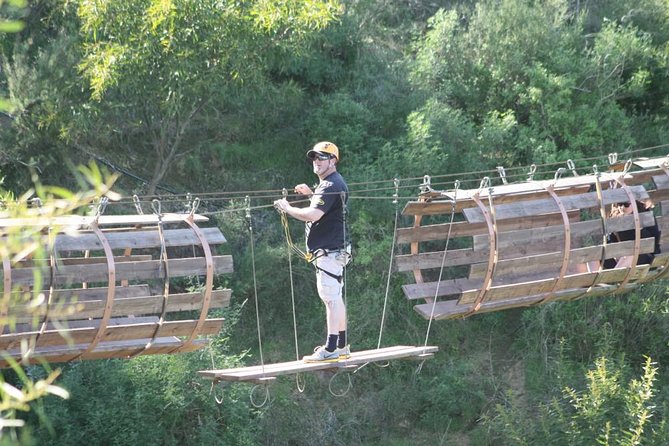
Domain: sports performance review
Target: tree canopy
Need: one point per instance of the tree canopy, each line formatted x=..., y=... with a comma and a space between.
x=222, y=96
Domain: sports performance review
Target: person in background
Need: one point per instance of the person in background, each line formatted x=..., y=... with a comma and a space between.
x=326, y=242
x=622, y=209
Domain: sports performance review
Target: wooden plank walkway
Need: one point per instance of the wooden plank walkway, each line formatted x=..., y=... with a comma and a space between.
x=261, y=373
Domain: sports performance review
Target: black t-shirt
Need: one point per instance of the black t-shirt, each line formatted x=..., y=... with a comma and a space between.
x=329, y=231
x=627, y=235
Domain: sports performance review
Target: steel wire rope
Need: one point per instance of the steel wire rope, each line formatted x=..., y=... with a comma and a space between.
x=348, y=387
x=255, y=295
x=240, y=194
x=441, y=271
x=347, y=253
x=289, y=242
x=212, y=389
x=390, y=266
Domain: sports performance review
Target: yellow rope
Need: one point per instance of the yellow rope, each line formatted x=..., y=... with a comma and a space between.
x=307, y=256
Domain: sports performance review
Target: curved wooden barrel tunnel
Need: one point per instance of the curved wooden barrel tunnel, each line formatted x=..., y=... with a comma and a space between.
x=529, y=243
x=113, y=287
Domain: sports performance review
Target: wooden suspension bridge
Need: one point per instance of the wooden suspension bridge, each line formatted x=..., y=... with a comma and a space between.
x=103, y=288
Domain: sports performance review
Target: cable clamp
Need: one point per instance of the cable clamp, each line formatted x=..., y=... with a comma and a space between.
x=426, y=187
x=485, y=183
x=502, y=174
x=138, y=205
x=628, y=166
x=194, y=206
x=558, y=174
x=189, y=203
x=572, y=167
x=613, y=158
x=156, y=206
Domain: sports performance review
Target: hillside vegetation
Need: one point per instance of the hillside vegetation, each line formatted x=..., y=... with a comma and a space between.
x=221, y=99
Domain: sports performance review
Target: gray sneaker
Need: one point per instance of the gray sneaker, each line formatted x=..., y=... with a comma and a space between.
x=322, y=355
x=344, y=352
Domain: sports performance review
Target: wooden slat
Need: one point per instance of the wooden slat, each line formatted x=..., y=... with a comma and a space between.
x=472, y=285
x=136, y=239
x=96, y=293
x=455, y=257
x=451, y=309
x=533, y=241
x=113, y=332
x=500, y=194
x=551, y=262
x=661, y=181
x=92, y=309
x=78, y=221
x=609, y=276
x=287, y=368
x=647, y=163
x=537, y=207
x=105, y=350
x=464, y=229
x=179, y=267
x=96, y=260
x=643, y=176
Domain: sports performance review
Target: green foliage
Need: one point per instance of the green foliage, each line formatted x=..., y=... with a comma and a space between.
x=606, y=411
x=227, y=96
x=22, y=391
x=159, y=65
x=527, y=76
x=111, y=396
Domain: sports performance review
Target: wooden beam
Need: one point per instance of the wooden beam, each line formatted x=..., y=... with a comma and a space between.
x=536, y=207
x=68, y=274
x=501, y=194
x=465, y=229
x=451, y=309
x=254, y=373
x=136, y=239
x=137, y=305
x=79, y=221
x=115, y=331
x=104, y=350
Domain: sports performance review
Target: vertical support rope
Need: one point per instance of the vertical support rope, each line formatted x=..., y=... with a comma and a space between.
x=247, y=200
x=344, y=203
x=443, y=262
x=390, y=263
x=300, y=386
x=164, y=267
x=396, y=182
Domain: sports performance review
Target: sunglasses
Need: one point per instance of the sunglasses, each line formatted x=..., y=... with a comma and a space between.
x=319, y=156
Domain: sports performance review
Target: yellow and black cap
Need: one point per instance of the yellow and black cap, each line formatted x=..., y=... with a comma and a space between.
x=323, y=149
